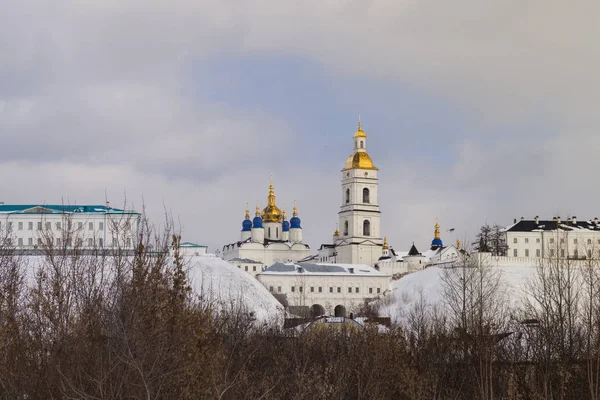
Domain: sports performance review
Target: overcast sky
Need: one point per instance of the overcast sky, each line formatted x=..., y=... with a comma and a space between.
x=475, y=110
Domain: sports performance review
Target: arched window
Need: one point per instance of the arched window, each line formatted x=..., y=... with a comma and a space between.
x=269, y=232
x=347, y=196
x=366, y=228
x=366, y=195
x=362, y=144
x=346, y=228
x=276, y=233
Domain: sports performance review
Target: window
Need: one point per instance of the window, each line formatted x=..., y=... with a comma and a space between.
x=562, y=240
x=276, y=232
x=356, y=291
x=526, y=240
x=552, y=252
x=58, y=226
x=575, y=253
x=20, y=226
x=537, y=240
x=370, y=290
x=551, y=240
x=378, y=290
x=562, y=252
x=271, y=289
x=48, y=226
x=312, y=289
x=30, y=241
x=69, y=224
x=269, y=232
x=90, y=242
x=320, y=289
x=598, y=241
x=246, y=268
x=589, y=241
x=362, y=144
x=101, y=226
x=30, y=226
x=80, y=225
x=9, y=226
x=347, y=196
x=514, y=240
x=279, y=289
x=254, y=268
x=349, y=290
x=39, y=241
x=526, y=252
x=91, y=226
x=574, y=241
x=339, y=290
x=366, y=228
x=366, y=195
x=514, y=252
x=331, y=290
x=293, y=289
x=345, y=228
x=537, y=253
x=100, y=242
x=589, y=253
x=20, y=241
x=300, y=289
x=57, y=242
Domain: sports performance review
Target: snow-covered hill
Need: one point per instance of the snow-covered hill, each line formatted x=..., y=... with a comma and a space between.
x=226, y=286
x=428, y=285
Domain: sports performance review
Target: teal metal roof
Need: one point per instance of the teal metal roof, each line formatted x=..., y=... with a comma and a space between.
x=190, y=244
x=60, y=209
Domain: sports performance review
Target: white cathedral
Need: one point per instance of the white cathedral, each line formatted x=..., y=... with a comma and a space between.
x=268, y=238
x=360, y=241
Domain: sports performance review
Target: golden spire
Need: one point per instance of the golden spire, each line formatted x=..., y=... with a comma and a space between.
x=295, y=213
x=337, y=232
x=458, y=244
x=437, y=228
x=271, y=212
x=257, y=210
x=359, y=131
x=284, y=214
x=247, y=211
x=385, y=244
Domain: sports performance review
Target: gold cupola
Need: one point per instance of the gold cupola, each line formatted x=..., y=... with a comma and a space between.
x=271, y=213
x=360, y=159
x=386, y=246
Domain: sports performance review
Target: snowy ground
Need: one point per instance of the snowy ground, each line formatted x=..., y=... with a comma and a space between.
x=223, y=284
x=428, y=285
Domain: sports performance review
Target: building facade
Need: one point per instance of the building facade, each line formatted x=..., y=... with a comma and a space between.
x=268, y=238
x=324, y=289
x=359, y=241
x=571, y=239
x=86, y=227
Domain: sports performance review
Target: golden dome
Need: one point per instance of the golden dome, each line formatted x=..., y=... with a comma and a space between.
x=385, y=244
x=361, y=160
x=360, y=132
x=271, y=213
x=336, y=233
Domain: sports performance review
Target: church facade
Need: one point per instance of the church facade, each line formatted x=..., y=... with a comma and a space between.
x=267, y=238
x=359, y=241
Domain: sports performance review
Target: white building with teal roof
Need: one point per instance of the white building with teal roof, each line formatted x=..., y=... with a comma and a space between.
x=87, y=227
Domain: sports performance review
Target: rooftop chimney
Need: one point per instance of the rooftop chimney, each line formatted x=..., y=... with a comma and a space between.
x=515, y=221
x=537, y=219
x=351, y=270
x=522, y=218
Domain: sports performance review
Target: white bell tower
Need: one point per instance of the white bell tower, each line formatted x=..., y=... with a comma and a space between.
x=360, y=239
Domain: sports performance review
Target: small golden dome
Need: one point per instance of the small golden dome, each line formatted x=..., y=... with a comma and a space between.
x=336, y=233
x=360, y=160
x=360, y=132
x=385, y=244
x=271, y=213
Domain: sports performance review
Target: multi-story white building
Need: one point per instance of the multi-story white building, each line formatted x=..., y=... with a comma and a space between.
x=318, y=289
x=535, y=238
x=37, y=227
x=359, y=241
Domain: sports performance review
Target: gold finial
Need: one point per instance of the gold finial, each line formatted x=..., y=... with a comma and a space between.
x=247, y=211
x=359, y=132
x=337, y=232
x=284, y=214
x=458, y=244
x=295, y=213
x=257, y=210
x=385, y=244
x=437, y=228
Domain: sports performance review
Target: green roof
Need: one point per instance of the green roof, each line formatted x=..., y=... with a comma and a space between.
x=190, y=244
x=60, y=209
